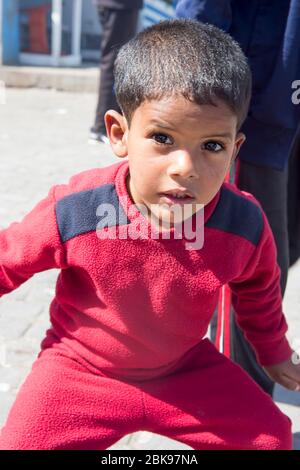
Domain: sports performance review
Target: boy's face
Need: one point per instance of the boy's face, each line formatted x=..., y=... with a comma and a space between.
x=175, y=146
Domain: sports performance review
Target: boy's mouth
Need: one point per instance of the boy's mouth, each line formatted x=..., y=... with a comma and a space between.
x=177, y=196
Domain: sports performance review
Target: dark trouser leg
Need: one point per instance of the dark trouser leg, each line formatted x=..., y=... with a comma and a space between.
x=294, y=200
x=270, y=189
x=118, y=27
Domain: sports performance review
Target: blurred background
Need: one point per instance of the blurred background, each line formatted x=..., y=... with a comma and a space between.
x=60, y=32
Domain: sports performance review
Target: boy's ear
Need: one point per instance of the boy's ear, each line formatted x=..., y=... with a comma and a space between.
x=240, y=139
x=116, y=128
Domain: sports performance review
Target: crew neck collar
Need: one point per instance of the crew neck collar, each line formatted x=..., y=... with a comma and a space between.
x=131, y=209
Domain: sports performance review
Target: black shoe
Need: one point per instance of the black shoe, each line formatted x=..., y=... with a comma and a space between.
x=98, y=137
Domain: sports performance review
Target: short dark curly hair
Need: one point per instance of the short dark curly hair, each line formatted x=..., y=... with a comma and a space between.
x=183, y=57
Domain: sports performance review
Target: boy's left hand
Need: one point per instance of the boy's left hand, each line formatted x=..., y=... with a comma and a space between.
x=286, y=373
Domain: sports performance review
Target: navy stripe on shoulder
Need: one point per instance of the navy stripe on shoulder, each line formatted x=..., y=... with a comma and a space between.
x=238, y=215
x=77, y=213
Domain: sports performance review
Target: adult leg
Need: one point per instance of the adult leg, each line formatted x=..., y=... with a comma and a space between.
x=294, y=200
x=211, y=403
x=61, y=405
x=118, y=27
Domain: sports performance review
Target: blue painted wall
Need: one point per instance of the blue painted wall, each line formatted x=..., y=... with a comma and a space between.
x=10, y=32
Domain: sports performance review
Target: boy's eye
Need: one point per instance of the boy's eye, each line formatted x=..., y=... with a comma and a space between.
x=162, y=139
x=213, y=146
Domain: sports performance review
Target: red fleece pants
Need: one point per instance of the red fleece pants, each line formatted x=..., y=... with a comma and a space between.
x=209, y=404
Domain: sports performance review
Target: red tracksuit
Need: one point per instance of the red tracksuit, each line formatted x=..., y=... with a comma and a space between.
x=125, y=351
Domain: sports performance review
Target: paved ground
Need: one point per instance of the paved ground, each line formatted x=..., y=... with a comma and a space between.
x=75, y=79
x=43, y=140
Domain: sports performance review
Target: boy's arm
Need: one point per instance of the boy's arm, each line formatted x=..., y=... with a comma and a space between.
x=257, y=302
x=30, y=246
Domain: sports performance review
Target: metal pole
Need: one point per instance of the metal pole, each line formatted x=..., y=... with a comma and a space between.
x=56, y=18
x=76, y=27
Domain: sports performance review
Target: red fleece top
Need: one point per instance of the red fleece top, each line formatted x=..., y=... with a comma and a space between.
x=136, y=308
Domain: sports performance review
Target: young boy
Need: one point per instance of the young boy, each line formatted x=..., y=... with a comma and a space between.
x=135, y=293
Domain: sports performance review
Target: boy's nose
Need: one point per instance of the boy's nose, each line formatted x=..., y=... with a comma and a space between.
x=183, y=165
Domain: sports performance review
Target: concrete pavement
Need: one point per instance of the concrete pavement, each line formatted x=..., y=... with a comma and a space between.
x=75, y=79
x=43, y=141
